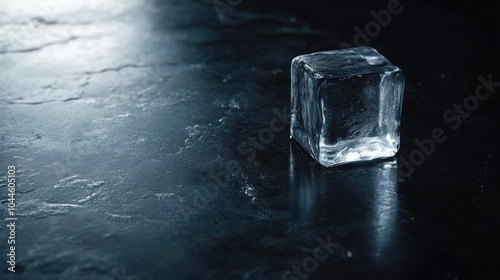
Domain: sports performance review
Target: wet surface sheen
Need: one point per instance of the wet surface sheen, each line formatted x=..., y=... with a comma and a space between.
x=152, y=140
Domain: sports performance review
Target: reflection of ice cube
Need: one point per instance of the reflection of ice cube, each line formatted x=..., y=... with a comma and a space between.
x=346, y=105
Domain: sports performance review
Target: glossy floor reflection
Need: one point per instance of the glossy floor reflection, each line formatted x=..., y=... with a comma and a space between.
x=359, y=203
x=117, y=116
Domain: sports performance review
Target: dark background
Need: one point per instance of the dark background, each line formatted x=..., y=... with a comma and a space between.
x=117, y=114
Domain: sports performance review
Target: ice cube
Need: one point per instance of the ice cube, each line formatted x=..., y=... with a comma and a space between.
x=346, y=105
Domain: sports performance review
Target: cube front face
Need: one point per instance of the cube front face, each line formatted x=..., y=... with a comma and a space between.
x=349, y=114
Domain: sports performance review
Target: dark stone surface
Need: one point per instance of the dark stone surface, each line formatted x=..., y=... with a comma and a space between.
x=116, y=115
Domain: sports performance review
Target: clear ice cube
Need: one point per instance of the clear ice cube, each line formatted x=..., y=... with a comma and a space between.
x=346, y=105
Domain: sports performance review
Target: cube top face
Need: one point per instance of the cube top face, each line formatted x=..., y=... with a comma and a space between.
x=347, y=62
x=346, y=105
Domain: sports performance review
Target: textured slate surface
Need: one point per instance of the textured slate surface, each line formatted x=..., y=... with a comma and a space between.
x=151, y=141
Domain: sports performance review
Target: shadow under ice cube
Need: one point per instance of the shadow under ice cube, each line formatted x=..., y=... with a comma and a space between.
x=346, y=105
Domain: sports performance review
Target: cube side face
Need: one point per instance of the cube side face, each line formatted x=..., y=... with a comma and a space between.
x=392, y=87
x=362, y=116
x=306, y=119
